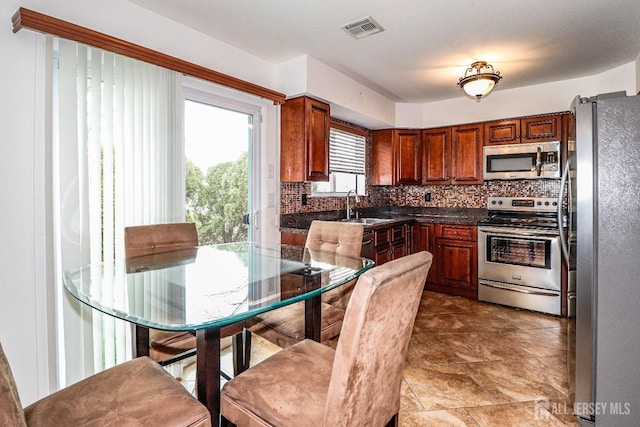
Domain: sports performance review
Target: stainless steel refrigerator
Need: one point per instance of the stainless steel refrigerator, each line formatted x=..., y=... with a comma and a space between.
x=604, y=224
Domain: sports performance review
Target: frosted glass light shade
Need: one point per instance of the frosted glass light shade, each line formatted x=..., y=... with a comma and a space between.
x=479, y=88
x=479, y=80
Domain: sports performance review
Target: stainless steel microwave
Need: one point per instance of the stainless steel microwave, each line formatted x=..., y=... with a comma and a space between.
x=522, y=161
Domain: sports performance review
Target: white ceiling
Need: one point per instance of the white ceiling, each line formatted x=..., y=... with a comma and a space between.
x=427, y=44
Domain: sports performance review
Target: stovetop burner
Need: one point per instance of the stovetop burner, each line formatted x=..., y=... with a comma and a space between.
x=522, y=212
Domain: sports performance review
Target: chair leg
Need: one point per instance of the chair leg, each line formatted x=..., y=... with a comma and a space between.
x=238, y=356
x=393, y=422
x=247, y=348
x=241, y=351
x=225, y=422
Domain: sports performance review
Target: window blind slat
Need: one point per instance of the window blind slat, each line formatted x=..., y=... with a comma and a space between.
x=346, y=152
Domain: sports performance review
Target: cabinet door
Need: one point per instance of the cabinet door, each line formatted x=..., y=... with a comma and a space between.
x=466, y=154
x=382, y=157
x=502, y=132
x=317, y=141
x=304, y=140
x=408, y=157
x=382, y=255
x=436, y=159
x=457, y=263
x=398, y=250
x=543, y=128
x=426, y=243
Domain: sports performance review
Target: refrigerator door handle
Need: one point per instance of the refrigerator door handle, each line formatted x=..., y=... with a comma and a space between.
x=563, y=239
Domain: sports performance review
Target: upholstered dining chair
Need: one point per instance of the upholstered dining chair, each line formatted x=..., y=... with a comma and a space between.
x=358, y=384
x=286, y=326
x=166, y=347
x=139, y=392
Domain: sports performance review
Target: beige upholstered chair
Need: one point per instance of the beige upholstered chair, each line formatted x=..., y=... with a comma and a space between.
x=358, y=384
x=285, y=326
x=167, y=347
x=138, y=392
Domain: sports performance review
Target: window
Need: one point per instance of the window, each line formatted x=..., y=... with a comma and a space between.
x=220, y=163
x=346, y=163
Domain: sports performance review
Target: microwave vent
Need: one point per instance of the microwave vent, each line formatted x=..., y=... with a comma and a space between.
x=362, y=27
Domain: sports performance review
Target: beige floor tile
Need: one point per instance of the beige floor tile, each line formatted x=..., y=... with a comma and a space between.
x=443, y=418
x=445, y=387
x=515, y=380
x=532, y=413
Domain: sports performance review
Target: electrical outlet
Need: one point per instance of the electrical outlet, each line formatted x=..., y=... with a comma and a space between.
x=304, y=200
x=427, y=197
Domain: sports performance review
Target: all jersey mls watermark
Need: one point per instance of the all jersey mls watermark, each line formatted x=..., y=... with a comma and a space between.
x=544, y=409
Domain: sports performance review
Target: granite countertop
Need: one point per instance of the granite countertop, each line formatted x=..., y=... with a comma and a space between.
x=299, y=223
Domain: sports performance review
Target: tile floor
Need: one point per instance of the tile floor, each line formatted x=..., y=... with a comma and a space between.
x=476, y=364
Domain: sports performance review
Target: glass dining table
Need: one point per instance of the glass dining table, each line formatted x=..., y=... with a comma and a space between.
x=205, y=288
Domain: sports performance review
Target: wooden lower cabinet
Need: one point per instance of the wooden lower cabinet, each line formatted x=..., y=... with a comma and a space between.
x=454, y=270
x=390, y=243
x=295, y=239
x=455, y=257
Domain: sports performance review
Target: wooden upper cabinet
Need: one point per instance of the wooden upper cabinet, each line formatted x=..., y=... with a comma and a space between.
x=396, y=157
x=452, y=155
x=304, y=146
x=502, y=132
x=540, y=129
x=436, y=156
x=408, y=157
x=466, y=154
x=523, y=130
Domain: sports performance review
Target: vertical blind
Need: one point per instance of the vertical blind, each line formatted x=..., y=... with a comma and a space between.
x=346, y=152
x=118, y=161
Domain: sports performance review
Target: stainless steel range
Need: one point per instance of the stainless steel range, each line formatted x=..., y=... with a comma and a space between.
x=519, y=254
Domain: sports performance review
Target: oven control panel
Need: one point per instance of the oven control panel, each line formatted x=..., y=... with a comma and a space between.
x=522, y=204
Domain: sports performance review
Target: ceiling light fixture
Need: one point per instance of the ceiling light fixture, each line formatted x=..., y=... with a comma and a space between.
x=479, y=80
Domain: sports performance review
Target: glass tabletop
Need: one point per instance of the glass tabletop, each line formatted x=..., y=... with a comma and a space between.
x=209, y=286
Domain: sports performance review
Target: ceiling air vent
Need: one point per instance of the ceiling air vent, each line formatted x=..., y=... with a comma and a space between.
x=362, y=27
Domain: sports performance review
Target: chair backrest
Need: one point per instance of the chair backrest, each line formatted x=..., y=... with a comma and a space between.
x=157, y=238
x=367, y=369
x=11, y=413
x=341, y=238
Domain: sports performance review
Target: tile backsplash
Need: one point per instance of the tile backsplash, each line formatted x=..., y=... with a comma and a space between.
x=442, y=196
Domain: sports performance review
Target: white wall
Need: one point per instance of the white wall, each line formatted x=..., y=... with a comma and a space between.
x=18, y=319
x=350, y=100
x=539, y=99
x=355, y=103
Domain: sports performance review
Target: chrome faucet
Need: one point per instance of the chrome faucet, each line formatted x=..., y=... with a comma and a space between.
x=348, y=207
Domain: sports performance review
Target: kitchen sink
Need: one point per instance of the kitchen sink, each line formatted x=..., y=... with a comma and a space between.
x=367, y=221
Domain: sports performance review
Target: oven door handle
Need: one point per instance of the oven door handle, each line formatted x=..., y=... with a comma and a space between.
x=522, y=291
x=519, y=233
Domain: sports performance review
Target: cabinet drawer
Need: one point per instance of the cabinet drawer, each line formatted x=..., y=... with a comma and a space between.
x=457, y=232
x=381, y=237
x=397, y=233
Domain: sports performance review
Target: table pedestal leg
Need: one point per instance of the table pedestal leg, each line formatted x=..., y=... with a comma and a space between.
x=312, y=315
x=208, y=371
x=142, y=341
